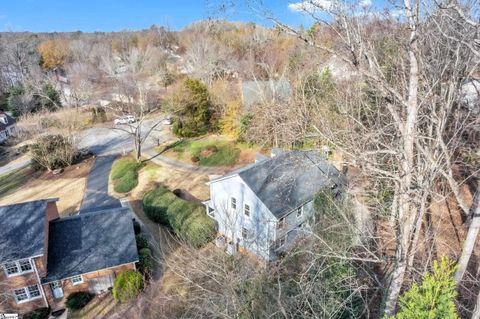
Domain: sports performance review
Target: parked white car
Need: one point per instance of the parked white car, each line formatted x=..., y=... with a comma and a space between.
x=127, y=119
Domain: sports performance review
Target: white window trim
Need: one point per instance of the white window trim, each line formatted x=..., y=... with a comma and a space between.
x=282, y=223
x=17, y=264
x=27, y=292
x=249, y=210
x=233, y=199
x=78, y=282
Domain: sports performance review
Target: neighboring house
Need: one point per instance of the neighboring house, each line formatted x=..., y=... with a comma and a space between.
x=263, y=207
x=254, y=92
x=7, y=126
x=470, y=95
x=44, y=258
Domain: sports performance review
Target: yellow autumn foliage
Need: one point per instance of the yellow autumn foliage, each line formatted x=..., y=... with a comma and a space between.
x=54, y=53
x=229, y=124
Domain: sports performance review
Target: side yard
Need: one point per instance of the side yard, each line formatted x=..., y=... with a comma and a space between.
x=26, y=184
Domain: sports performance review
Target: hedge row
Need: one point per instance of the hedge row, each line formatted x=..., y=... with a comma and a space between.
x=187, y=219
x=124, y=174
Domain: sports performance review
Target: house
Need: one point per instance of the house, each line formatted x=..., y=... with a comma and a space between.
x=44, y=258
x=254, y=92
x=7, y=126
x=263, y=207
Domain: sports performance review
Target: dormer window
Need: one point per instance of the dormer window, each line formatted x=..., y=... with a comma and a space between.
x=4, y=119
x=281, y=223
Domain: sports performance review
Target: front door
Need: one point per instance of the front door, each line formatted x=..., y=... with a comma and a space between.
x=57, y=289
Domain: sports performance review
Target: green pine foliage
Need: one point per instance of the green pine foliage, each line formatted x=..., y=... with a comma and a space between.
x=434, y=298
x=127, y=286
x=193, y=107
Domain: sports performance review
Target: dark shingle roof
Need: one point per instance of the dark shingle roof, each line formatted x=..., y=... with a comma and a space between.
x=22, y=230
x=289, y=180
x=88, y=242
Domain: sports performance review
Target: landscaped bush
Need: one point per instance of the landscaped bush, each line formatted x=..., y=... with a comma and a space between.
x=145, y=262
x=188, y=220
x=127, y=286
x=124, y=174
x=142, y=242
x=53, y=151
x=78, y=300
x=155, y=205
x=40, y=313
x=198, y=229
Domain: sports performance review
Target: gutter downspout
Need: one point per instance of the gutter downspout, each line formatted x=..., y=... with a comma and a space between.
x=39, y=282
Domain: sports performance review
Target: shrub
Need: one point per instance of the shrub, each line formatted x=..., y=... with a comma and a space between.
x=198, y=229
x=40, y=313
x=127, y=286
x=78, y=300
x=145, y=262
x=124, y=174
x=188, y=220
x=53, y=151
x=142, y=241
x=155, y=205
x=435, y=298
x=195, y=159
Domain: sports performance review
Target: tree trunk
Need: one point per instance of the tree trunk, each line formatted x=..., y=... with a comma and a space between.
x=469, y=242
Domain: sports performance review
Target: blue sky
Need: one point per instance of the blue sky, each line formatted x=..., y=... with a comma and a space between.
x=114, y=15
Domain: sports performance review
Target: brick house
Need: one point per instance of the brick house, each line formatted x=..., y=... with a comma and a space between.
x=44, y=258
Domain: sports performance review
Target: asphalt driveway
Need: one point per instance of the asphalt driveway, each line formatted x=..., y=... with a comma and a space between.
x=96, y=194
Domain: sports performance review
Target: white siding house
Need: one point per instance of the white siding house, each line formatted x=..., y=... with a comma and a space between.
x=7, y=126
x=264, y=207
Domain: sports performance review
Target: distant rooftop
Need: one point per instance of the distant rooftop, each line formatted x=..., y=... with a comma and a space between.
x=22, y=230
x=89, y=242
x=289, y=179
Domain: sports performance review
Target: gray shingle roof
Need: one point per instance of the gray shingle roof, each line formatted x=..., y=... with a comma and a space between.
x=89, y=242
x=289, y=180
x=22, y=230
x=10, y=121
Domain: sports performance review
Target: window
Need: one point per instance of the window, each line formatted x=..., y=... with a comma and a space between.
x=18, y=267
x=11, y=268
x=300, y=212
x=233, y=203
x=25, y=265
x=33, y=291
x=76, y=280
x=281, y=223
x=246, y=210
x=26, y=293
x=280, y=242
x=244, y=233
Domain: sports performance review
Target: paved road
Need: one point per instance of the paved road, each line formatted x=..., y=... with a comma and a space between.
x=96, y=194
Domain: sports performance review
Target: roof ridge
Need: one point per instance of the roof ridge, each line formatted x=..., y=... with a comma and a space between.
x=88, y=214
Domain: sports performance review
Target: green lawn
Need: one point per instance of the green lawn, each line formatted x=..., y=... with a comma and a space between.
x=11, y=181
x=124, y=174
x=207, y=152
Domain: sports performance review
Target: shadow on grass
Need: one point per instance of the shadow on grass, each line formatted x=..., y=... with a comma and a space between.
x=10, y=182
x=164, y=149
